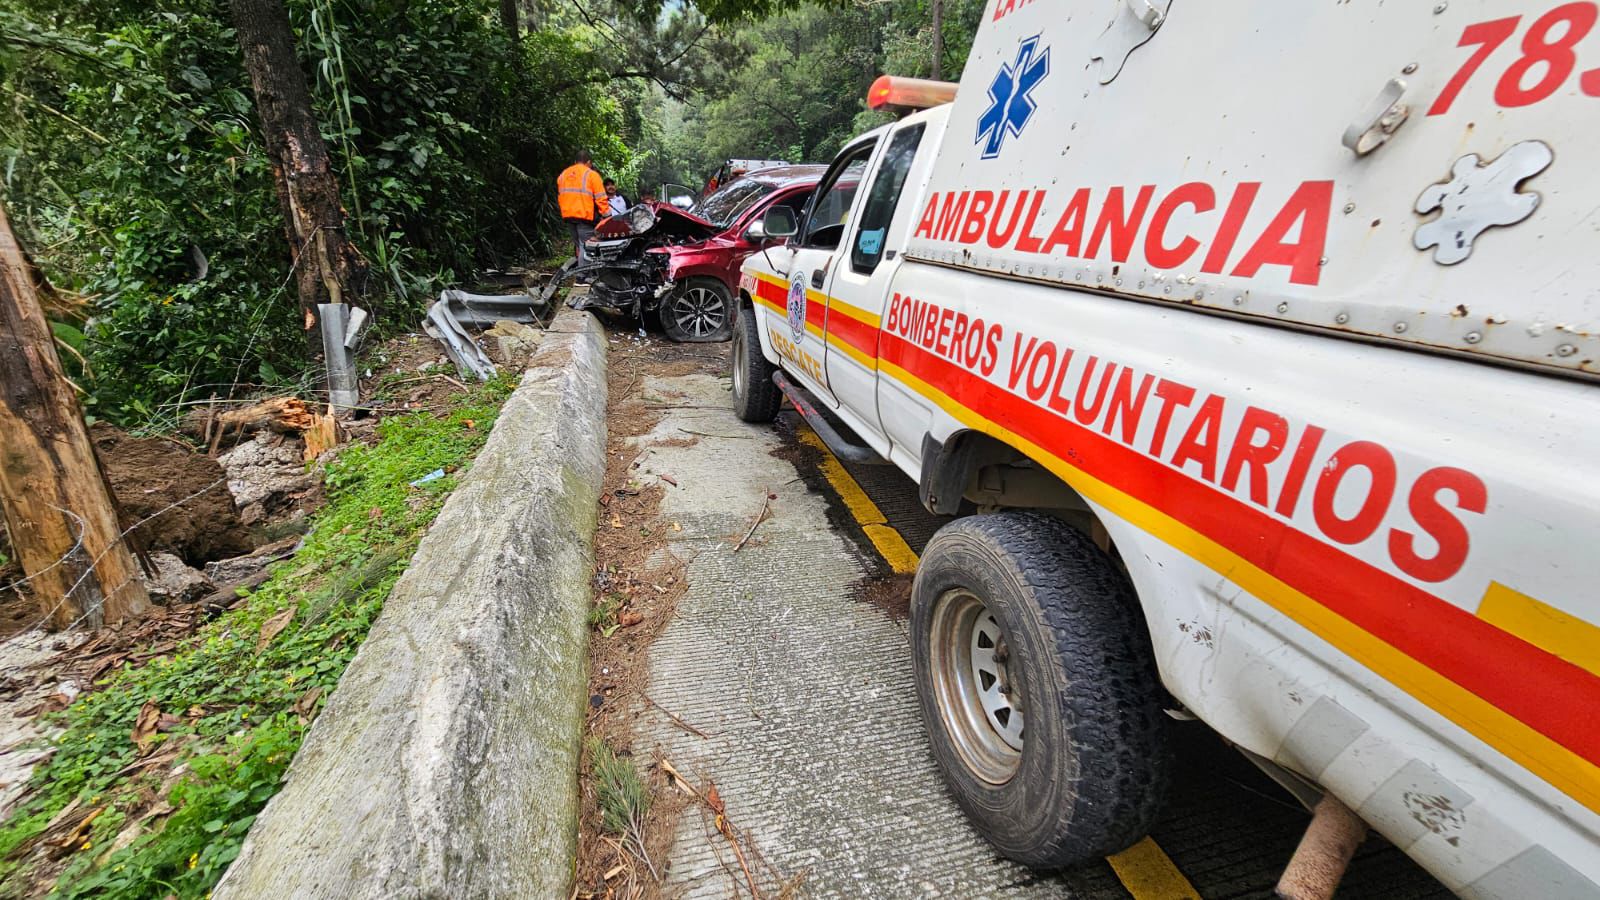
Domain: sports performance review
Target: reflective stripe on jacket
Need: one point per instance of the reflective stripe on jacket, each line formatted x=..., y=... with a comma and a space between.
x=580, y=192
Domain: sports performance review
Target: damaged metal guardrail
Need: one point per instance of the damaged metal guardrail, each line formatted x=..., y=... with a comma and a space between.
x=451, y=315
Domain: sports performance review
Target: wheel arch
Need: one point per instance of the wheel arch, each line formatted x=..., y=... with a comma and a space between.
x=974, y=469
x=980, y=468
x=743, y=301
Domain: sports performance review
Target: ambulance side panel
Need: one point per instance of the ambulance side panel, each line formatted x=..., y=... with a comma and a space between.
x=1373, y=565
x=1419, y=173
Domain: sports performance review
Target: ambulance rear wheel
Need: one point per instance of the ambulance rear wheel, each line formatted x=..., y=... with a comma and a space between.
x=1038, y=688
x=755, y=397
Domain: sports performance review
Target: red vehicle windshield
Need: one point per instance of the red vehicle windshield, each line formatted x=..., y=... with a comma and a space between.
x=725, y=206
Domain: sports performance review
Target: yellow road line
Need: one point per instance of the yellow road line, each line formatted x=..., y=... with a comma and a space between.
x=890, y=545
x=1149, y=874
x=1144, y=869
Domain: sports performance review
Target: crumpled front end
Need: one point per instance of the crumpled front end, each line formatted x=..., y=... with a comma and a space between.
x=628, y=262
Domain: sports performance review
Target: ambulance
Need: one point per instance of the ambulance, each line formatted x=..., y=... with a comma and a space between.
x=1255, y=345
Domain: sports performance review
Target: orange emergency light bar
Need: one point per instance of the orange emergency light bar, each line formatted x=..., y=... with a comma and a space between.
x=909, y=93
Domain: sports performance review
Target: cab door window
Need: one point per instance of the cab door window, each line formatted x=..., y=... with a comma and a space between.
x=867, y=248
x=830, y=206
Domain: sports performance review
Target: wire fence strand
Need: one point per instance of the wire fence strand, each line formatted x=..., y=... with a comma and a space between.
x=78, y=546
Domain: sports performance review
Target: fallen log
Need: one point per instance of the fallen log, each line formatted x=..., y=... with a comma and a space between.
x=284, y=415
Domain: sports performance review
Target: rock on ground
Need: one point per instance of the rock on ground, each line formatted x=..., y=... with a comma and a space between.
x=239, y=569
x=175, y=582
x=511, y=344
x=194, y=514
x=266, y=475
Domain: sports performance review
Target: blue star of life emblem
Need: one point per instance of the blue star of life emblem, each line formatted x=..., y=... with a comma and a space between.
x=1010, y=106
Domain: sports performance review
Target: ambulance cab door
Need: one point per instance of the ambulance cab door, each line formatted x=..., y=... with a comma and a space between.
x=859, y=284
x=815, y=250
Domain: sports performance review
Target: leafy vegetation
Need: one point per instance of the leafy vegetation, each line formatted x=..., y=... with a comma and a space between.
x=798, y=90
x=132, y=162
x=133, y=165
x=241, y=693
x=623, y=798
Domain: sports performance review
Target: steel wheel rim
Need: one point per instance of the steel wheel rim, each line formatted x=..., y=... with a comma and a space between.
x=738, y=362
x=980, y=704
x=699, y=311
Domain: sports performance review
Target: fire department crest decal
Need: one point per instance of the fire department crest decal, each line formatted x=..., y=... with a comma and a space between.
x=797, y=307
x=1011, y=105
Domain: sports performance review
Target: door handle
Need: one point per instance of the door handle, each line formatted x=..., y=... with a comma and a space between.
x=819, y=277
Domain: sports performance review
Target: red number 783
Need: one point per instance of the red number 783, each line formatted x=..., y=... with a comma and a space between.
x=1555, y=53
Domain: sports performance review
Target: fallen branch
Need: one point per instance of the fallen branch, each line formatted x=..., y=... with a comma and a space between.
x=766, y=503
x=284, y=415
x=677, y=721
x=714, y=800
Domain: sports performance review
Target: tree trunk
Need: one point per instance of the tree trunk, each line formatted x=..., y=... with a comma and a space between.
x=509, y=18
x=327, y=267
x=938, y=40
x=58, y=507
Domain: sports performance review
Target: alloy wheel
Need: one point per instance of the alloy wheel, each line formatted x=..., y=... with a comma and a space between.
x=698, y=311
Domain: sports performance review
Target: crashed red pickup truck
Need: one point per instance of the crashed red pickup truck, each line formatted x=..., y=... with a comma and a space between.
x=683, y=265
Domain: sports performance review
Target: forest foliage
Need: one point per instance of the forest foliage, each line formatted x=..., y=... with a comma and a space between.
x=133, y=167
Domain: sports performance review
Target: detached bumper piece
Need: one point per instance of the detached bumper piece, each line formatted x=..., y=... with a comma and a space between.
x=805, y=404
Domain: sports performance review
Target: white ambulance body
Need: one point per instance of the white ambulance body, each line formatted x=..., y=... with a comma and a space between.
x=1295, y=310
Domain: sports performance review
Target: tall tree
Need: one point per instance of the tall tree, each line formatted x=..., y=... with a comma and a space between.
x=58, y=508
x=511, y=19
x=327, y=266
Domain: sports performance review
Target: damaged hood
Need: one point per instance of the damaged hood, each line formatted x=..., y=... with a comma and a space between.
x=659, y=218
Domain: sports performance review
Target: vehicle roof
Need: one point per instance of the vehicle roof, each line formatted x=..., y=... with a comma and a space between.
x=786, y=176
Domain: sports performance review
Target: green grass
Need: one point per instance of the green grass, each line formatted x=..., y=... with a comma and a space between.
x=238, y=727
x=624, y=800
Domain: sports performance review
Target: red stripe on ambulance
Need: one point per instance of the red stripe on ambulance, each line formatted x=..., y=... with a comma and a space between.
x=1544, y=691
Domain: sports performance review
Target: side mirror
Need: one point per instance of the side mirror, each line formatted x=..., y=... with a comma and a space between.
x=756, y=233
x=779, y=222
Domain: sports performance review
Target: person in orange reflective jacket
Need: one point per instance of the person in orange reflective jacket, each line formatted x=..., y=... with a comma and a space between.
x=583, y=199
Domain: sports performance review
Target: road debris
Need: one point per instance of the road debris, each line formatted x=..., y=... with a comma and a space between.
x=766, y=504
x=675, y=720
x=450, y=316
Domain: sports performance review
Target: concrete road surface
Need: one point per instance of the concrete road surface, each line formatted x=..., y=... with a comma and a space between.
x=803, y=687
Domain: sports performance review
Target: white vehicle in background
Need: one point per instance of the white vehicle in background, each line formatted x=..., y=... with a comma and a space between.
x=1264, y=338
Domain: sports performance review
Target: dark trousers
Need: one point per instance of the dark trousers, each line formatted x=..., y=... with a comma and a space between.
x=580, y=233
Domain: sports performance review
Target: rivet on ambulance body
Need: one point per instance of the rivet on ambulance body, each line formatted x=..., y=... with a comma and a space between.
x=1167, y=289
x=1440, y=7
x=1238, y=300
x=1349, y=208
x=1283, y=307
x=1399, y=328
x=1410, y=68
x=1119, y=282
x=1342, y=318
x=1472, y=337
x=1323, y=261
x=1141, y=284
x=1566, y=350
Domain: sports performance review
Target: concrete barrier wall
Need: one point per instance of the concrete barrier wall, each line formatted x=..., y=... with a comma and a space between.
x=445, y=765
